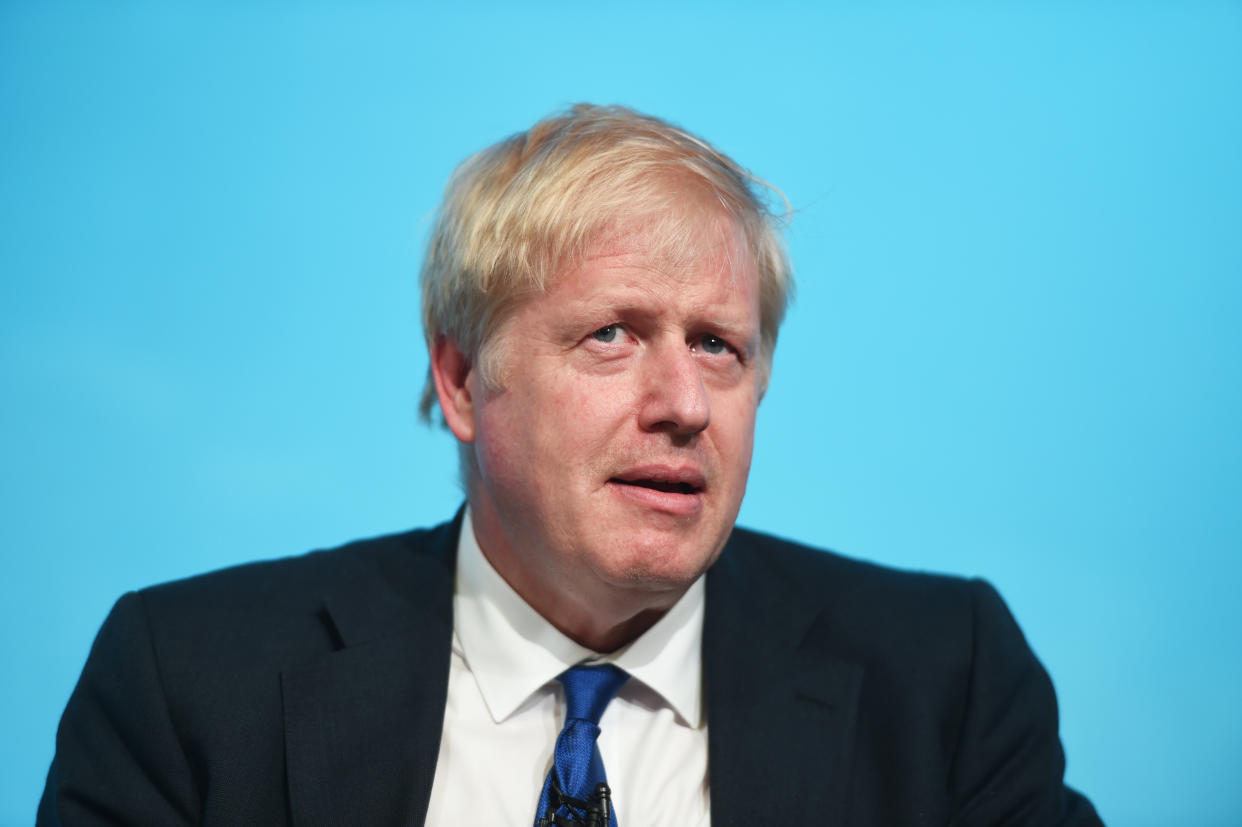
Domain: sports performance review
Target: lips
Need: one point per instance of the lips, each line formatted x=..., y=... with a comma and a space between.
x=660, y=485
x=663, y=489
x=682, y=480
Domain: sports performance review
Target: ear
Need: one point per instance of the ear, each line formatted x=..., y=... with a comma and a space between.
x=452, y=372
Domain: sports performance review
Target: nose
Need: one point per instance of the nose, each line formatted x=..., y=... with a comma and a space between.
x=674, y=398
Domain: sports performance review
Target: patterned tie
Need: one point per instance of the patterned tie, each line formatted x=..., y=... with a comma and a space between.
x=576, y=765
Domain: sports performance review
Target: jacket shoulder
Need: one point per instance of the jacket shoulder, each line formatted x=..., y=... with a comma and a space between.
x=902, y=626
x=278, y=585
x=182, y=701
x=954, y=712
x=292, y=609
x=849, y=587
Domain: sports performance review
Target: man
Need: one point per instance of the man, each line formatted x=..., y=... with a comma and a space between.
x=590, y=638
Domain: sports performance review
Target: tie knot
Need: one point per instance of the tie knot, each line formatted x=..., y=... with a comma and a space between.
x=589, y=689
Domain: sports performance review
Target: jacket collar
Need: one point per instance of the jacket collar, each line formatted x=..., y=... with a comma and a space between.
x=781, y=709
x=362, y=723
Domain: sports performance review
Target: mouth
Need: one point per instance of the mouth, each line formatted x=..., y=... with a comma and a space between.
x=672, y=490
x=660, y=485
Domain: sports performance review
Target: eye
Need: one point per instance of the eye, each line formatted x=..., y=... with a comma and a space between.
x=607, y=334
x=713, y=345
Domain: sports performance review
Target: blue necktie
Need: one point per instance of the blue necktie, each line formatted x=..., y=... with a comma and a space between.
x=576, y=765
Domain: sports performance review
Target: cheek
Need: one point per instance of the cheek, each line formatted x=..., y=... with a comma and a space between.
x=540, y=437
x=736, y=438
x=588, y=409
x=506, y=444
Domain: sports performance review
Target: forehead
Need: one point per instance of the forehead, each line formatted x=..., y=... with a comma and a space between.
x=705, y=265
x=693, y=247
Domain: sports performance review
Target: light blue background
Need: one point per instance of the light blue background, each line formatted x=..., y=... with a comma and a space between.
x=1015, y=350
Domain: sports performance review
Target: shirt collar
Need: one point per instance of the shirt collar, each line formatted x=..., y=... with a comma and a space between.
x=513, y=651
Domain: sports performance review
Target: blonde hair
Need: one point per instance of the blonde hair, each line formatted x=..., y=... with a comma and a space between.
x=525, y=210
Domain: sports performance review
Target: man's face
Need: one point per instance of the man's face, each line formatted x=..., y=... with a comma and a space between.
x=614, y=457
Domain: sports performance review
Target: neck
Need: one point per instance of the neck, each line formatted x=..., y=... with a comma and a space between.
x=600, y=616
x=604, y=638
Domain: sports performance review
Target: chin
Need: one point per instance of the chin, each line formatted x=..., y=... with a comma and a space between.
x=660, y=569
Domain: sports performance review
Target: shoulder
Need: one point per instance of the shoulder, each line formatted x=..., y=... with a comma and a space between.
x=848, y=586
x=888, y=619
x=182, y=699
x=289, y=581
x=295, y=606
x=953, y=714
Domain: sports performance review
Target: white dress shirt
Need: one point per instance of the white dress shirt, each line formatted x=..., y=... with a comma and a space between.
x=505, y=709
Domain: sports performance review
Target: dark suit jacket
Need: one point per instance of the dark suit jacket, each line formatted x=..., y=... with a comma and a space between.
x=311, y=691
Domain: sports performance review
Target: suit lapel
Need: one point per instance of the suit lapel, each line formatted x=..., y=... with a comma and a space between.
x=362, y=724
x=781, y=710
